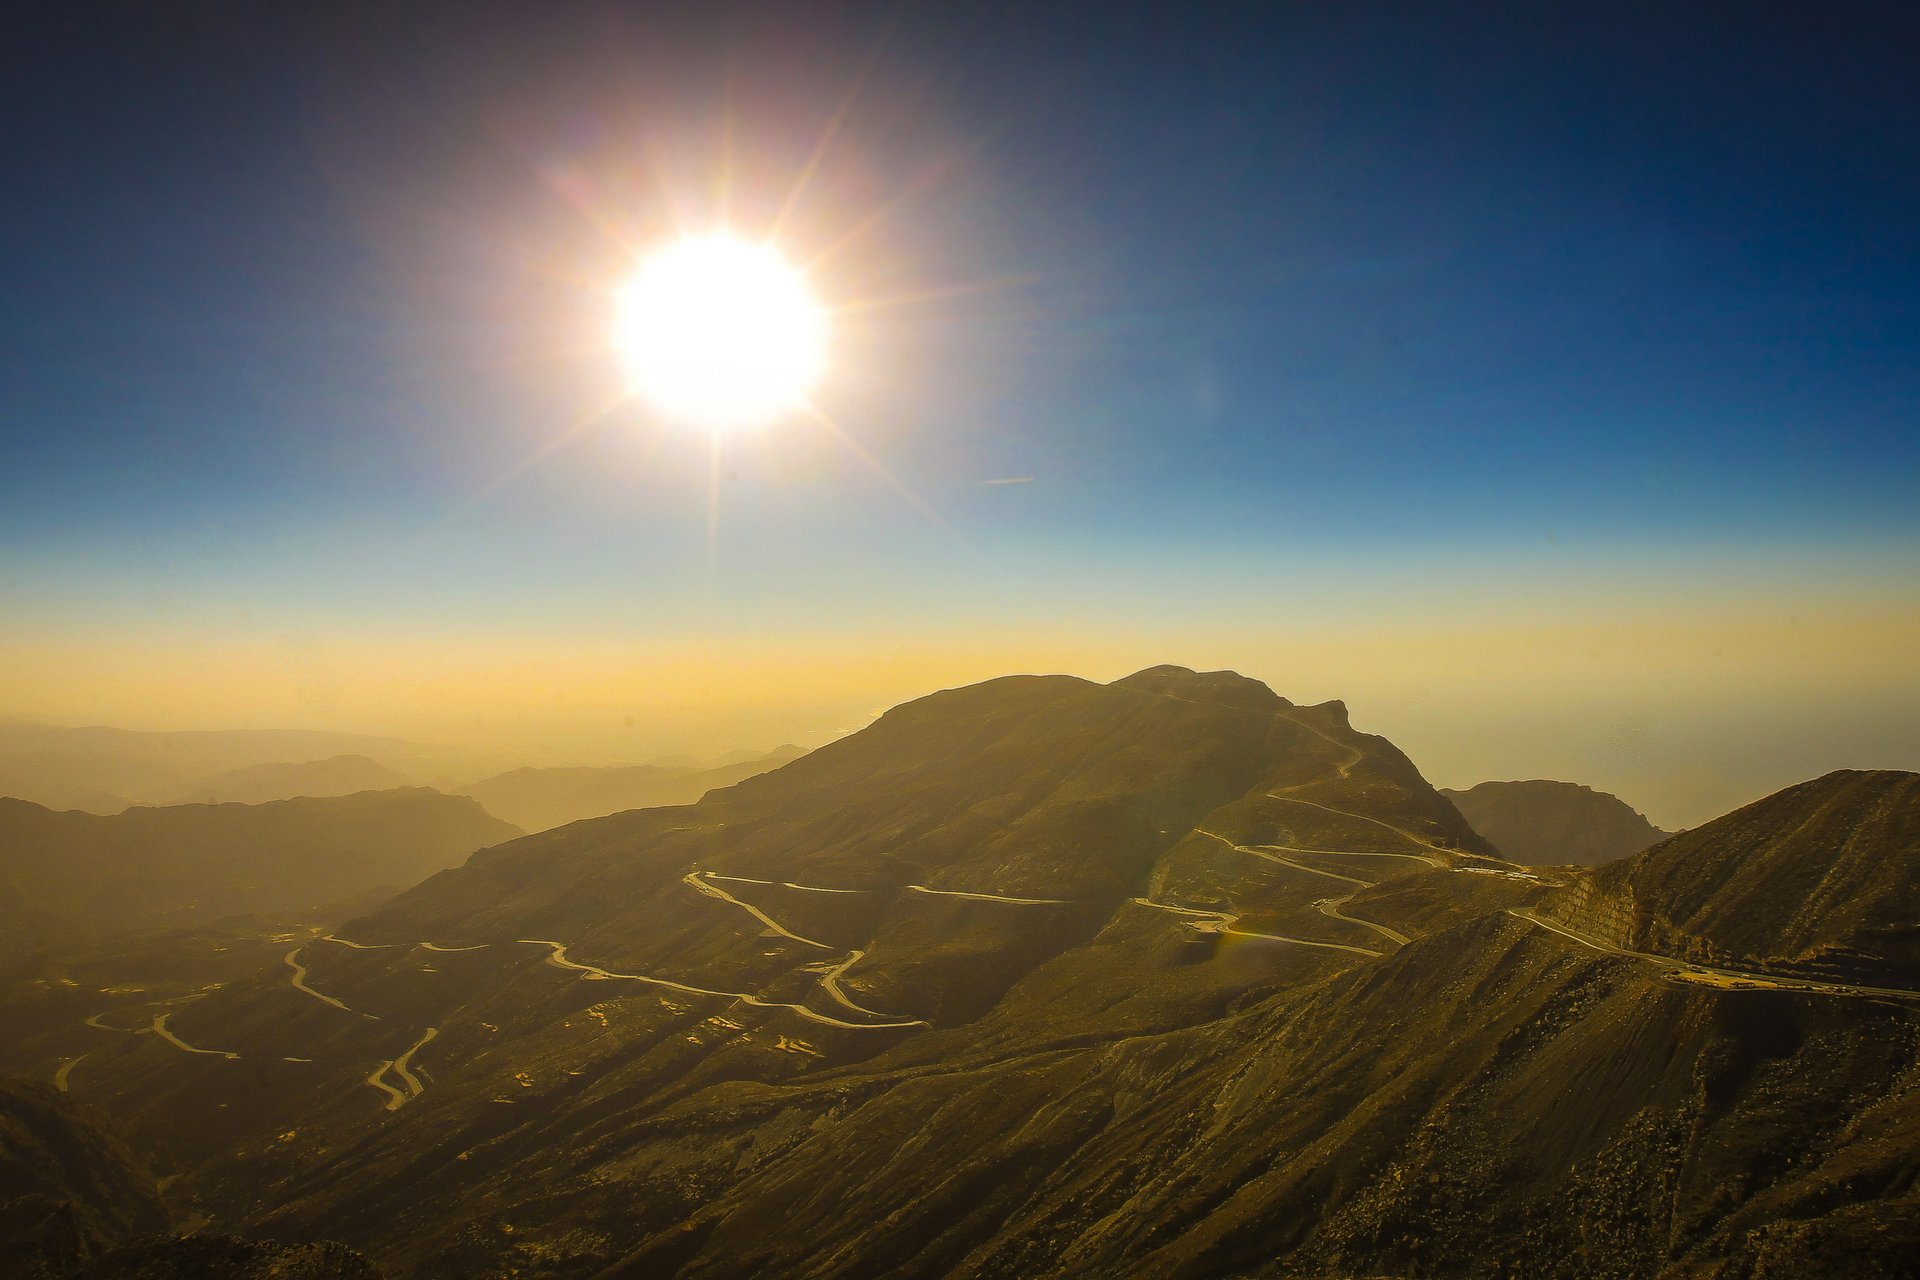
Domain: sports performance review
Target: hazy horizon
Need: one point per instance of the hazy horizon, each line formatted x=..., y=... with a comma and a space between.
x=1663, y=716
x=1580, y=452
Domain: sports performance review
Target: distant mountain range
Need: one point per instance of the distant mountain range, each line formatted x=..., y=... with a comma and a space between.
x=1169, y=977
x=537, y=799
x=67, y=877
x=260, y=783
x=1553, y=823
x=105, y=770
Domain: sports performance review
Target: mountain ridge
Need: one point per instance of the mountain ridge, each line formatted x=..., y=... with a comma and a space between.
x=1544, y=822
x=90, y=876
x=1788, y=885
x=538, y=799
x=261, y=783
x=1047, y=978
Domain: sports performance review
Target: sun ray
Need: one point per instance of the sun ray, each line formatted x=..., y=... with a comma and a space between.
x=668, y=196
x=820, y=149
x=522, y=257
x=929, y=176
x=723, y=172
x=936, y=293
x=879, y=468
x=571, y=431
x=579, y=191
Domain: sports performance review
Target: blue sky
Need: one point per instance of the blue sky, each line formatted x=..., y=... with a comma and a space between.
x=1281, y=310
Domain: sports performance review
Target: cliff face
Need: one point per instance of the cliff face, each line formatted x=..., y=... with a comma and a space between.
x=1612, y=911
x=1552, y=823
x=1818, y=877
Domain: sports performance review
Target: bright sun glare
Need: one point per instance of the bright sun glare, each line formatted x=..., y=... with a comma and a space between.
x=721, y=332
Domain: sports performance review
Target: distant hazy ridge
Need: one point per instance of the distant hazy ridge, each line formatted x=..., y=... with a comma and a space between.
x=68, y=876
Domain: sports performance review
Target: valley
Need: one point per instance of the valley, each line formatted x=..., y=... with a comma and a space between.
x=1090, y=934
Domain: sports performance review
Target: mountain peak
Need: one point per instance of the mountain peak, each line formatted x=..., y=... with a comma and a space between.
x=1336, y=710
x=1222, y=688
x=1542, y=821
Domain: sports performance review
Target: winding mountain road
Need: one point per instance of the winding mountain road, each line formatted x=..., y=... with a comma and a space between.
x=703, y=881
x=1342, y=770
x=1345, y=768
x=1276, y=853
x=829, y=977
x=292, y=961
x=1222, y=923
x=1432, y=858
x=1713, y=975
x=830, y=983
x=395, y=1098
x=93, y=1020
x=159, y=1028
x=400, y=1063
x=558, y=959
x=1330, y=907
x=992, y=897
x=66, y=1070
x=782, y=884
x=697, y=880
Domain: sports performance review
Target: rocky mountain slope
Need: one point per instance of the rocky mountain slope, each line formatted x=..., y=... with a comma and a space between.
x=75, y=1204
x=540, y=799
x=1164, y=978
x=1551, y=823
x=69, y=1189
x=72, y=876
x=1819, y=877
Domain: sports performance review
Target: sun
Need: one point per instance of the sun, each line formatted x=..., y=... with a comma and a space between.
x=721, y=332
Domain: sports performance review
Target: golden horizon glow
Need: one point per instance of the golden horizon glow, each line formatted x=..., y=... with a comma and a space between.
x=1649, y=700
x=721, y=332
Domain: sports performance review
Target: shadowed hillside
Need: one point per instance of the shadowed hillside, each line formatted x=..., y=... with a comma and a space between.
x=71, y=877
x=1552, y=823
x=75, y=1204
x=69, y=1189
